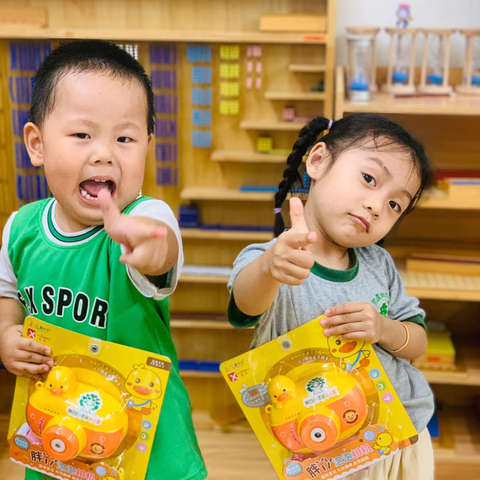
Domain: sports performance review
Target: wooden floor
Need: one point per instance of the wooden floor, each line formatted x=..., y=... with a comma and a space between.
x=232, y=456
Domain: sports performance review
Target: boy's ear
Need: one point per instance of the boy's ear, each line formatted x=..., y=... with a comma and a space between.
x=33, y=143
x=150, y=138
x=317, y=161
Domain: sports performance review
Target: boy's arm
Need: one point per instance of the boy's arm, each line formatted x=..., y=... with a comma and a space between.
x=151, y=246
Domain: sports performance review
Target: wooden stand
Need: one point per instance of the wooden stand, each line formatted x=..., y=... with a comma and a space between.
x=467, y=87
x=428, y=87
x=368, y=31
x=396, y=35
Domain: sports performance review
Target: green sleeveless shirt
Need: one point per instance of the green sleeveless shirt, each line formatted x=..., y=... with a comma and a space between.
x=78, y=283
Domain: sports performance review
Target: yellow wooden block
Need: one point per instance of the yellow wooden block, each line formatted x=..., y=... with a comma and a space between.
x=293, y=23
x=440, y=353
x=229, y=89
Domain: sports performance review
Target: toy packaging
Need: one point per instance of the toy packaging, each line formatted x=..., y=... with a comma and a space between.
x=94, y=414
x=321, y=407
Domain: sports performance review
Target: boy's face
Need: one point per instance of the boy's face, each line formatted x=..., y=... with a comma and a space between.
x=95, y=137
x=359, y=199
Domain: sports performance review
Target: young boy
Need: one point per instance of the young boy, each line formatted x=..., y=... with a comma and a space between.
x=74, y=260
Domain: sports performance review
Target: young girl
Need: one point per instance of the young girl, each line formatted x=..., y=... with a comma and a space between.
x=366, y=173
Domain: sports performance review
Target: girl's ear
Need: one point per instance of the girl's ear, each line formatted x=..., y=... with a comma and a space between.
x=317, y=161
x=34, y=143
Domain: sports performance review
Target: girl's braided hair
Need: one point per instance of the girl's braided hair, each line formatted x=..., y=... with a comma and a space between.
x=350, y=132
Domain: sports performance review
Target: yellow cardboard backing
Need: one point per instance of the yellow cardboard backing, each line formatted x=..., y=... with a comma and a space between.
x=100, y=366
x=307, y=351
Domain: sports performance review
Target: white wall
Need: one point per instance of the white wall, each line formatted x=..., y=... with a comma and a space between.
x=426, y=13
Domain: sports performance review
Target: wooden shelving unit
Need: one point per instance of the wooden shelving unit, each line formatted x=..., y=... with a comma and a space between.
x=273, y=125
x=203, y=279
x=388, y=104
x=449, y=225
x=206, y=193
x=198, y=233
x=303, y=96
x=154, y=35
x=307, y=68
x=247, y=157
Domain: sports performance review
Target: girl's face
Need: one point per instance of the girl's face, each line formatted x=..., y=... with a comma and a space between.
x=356, y=201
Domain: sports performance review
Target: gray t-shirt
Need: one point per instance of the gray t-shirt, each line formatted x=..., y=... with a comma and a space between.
x=374, y=279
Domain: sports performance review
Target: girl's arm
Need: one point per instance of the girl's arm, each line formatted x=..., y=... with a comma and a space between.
x=394, y=336
x=287, y=261
x=255, y=287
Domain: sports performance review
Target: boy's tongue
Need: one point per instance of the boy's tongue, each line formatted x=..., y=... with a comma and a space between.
x=92, y=187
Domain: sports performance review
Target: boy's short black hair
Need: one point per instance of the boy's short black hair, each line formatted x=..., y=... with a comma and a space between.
x=85, y=56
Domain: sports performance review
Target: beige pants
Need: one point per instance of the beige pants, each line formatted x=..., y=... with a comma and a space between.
x=412, y=463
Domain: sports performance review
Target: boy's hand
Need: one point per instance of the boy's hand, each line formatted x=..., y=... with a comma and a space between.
x=354, y=320
x=23, y=356
x=144, y=239
x=290, y=260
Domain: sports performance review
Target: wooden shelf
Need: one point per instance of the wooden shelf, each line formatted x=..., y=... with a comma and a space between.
x=459, y=442
x=387, y=103
x=306, y=96
x=203, y=324
x=439, y=199
x=140, y=35
x=306, y=68
x=203, y=279
x=272, y=125
x=247, y=157
x=441, y=287
x=216, y=193
x=200, y=234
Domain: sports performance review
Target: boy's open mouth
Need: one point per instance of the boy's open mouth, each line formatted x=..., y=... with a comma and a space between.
x=90, y=188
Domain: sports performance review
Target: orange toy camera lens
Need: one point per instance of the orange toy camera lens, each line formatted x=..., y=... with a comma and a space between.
x=319, y=431
x=65, y=439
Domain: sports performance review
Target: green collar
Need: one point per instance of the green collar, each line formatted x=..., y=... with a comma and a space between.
x=339, y=276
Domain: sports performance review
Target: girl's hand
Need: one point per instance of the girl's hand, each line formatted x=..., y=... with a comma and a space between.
x=290, y=260
x=144, y=239
x=354, y=320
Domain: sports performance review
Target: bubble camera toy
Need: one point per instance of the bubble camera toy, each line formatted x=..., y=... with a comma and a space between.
x=75, y=420
x=299, y=427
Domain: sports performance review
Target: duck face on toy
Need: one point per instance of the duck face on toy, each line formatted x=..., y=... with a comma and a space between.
x=280, y=389
x=61, y=381
x=350, y=352
x=143, y=383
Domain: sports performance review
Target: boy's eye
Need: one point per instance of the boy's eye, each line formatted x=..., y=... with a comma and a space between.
x=124, y=139
x=395, y=206
x=83, y=136
x=369, y=179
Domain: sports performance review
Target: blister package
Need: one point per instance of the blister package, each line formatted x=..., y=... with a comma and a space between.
x=321, y=407
x=94, y=414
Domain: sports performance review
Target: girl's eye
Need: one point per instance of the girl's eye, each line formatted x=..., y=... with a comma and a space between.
x=83, y=136
x=124, y=139
x=395, y=206
x=369, y=179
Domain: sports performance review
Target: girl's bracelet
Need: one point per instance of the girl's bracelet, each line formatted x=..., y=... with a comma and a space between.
x=406, y=341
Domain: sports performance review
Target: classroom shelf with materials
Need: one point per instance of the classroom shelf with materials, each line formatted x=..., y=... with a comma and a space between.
x=446, y=228
x=222, y=74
